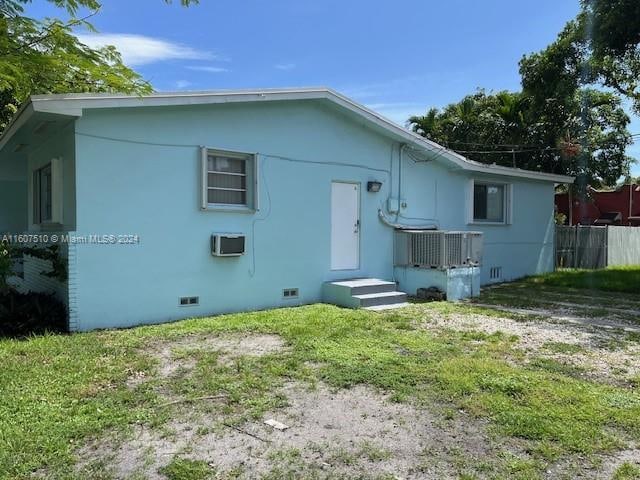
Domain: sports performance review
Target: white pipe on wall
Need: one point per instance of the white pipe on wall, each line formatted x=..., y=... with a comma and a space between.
x=386, y=221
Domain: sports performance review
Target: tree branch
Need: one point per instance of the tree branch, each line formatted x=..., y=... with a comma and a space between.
x=48, y=30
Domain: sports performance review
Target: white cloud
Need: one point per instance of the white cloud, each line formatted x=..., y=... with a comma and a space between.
x=409, y=83
x=401, y=97
x=285, y=66
x=180, y=84
x=208, y=68
x=141, y=50
x=398, y=112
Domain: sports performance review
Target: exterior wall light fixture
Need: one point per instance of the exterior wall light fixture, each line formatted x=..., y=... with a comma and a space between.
x=374, y=186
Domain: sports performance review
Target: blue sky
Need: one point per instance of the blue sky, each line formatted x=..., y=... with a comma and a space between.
x=398, y=57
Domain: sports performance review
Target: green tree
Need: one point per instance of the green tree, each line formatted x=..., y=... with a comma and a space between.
x=584, y=134
x=480, y=126
x=38, y=57
x=610, y=33
x=600, y=46
x=560, y=122
x=587, y=126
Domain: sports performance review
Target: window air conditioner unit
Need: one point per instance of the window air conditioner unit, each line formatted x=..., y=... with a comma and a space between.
x=227, y=245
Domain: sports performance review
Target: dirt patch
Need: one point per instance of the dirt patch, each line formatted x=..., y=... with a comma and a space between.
x=142, y=454
x=608, y=366
x=253, y=345
x=531, y=335
x=595, y=317
x=173, y=356
x=356, y=433
x=603, y=354
x=613, y=462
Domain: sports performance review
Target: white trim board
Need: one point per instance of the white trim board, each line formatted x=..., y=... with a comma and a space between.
x=74, y=104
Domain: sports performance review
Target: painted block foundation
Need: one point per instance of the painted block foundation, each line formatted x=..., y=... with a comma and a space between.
x=457, y=283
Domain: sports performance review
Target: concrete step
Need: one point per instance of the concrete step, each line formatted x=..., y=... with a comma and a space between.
x=363, y=293
x=364, y=286
x=381, y=298
x=393, y=306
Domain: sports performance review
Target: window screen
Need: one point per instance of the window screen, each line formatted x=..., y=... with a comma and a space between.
x=227, y=179
x=488, y=202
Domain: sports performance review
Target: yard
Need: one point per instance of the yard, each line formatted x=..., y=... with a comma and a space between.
x=537, y=380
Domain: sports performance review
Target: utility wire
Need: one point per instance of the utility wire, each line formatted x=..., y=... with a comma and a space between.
x=508, y=145
x=504, y=152
x=511, y=146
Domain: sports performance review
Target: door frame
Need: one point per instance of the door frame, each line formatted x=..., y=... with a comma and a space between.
x=359, y=212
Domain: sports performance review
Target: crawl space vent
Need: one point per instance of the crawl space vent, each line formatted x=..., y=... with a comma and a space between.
x=186, y=301
x=290, y=293
x=495, y=273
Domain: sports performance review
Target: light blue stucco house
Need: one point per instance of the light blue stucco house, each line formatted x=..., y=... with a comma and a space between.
x=177, y=205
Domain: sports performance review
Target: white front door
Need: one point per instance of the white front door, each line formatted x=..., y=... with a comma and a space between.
x=345, y=226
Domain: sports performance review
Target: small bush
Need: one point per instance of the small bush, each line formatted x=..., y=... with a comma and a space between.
x=23, y=314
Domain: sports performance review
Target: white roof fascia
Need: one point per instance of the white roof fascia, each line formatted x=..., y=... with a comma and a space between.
x=74, y=104
x=82, y=101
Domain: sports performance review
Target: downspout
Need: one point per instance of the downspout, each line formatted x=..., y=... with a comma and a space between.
x=402, y=147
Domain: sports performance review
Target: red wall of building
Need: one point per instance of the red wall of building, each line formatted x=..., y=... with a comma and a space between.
x=587, y=211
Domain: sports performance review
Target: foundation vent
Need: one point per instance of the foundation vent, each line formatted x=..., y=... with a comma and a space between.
x=187, y=301
x=290, y=293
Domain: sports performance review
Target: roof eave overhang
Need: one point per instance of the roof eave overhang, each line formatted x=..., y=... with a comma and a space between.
x=518, y=173
x=27, y=111
x=72, y=105
x=23, y=115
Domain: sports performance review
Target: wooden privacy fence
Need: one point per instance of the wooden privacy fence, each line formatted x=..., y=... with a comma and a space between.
x=596, y=247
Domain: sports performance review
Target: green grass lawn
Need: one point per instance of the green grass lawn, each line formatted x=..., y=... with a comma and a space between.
x=613, y=279
x=58, y=391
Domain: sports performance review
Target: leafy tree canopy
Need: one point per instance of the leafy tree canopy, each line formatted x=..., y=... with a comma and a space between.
x=38, y=57
x=583, y=134
x=560, y=122
x=610, y=33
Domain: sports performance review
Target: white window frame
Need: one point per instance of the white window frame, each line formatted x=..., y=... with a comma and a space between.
x=506, y=202
x=251, y=181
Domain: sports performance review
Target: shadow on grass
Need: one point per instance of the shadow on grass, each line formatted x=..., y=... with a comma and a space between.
x=613, y=279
